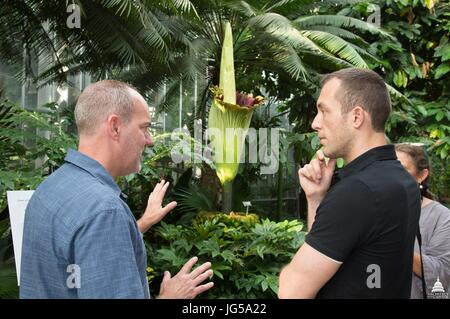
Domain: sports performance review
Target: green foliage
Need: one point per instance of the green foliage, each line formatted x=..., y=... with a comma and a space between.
x=158, y=164
x=246, y=254
x=191, y=198
x=417, y=63
x=8, y=278
x=33, y=145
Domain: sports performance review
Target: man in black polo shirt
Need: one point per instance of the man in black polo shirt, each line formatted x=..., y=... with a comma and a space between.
x=362, y=221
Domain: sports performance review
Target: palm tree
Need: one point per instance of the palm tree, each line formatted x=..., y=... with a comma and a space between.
x=168, y=41
x=298, y=46
x=281, y=45
x=114, y=34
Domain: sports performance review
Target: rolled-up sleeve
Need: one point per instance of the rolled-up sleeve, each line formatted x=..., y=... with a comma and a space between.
x=103, y=251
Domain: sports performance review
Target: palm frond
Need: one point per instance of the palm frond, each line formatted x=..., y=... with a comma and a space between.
x=397, y=94
x=285, y=3
x=336, y=46
x=291, y=63
x=312, y=6
x=113, y=33
x=120, y=7
x=184, y=6
x=342, y=33
x=282, y=30
x=324, y=63
x=192, y=199
x=243, y=7
x=270, y=19
x=366, y=54
x=340, y=22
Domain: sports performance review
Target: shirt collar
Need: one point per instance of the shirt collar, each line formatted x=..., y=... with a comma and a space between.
x=379, y=153
x=92, y=167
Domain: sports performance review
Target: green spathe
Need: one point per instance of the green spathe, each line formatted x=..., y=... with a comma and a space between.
x=227, y=83
x=228, y=120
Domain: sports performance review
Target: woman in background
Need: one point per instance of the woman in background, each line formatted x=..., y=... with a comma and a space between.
x=434, y=227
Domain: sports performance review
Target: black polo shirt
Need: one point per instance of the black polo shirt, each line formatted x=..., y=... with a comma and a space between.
x=368, y=221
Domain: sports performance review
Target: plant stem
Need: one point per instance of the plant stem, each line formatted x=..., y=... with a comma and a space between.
x=279, y=190
x=227, y=198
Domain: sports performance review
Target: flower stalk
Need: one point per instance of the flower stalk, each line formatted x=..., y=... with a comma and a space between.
x=229, y=120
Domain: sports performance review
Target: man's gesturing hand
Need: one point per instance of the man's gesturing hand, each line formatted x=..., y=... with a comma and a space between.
x=154, y=211
x=315, y=177
x=186, y=284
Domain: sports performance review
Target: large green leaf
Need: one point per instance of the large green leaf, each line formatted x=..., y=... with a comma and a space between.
x=337, y=46
x=340, y=22
x=441, y=70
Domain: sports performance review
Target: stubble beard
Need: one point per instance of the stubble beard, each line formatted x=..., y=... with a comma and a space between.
x=340, y=148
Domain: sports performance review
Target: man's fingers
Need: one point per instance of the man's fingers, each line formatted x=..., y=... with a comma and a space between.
x=159, y=191
x=162, y=191
x=317, y=169
x=320, y=155
x=331, y=164
x=304, y=172
x=198, y=290
x=158, y=187
x=166, y=209
x=310, y=172
x=200, y=269
x=166, y=276
x=188, y=265
x=202, y=277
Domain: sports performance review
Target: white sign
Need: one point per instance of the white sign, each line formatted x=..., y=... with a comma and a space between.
x=247, y=205
x=17, y=203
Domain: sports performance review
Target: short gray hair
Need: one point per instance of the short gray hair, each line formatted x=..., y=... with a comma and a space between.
x=101, y=99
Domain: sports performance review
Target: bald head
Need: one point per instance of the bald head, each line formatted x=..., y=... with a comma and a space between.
x=101, y=99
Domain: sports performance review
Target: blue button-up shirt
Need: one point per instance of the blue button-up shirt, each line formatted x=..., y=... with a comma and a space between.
x=80, y=238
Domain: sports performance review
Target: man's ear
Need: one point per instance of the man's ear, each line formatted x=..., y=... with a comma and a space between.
x=113, y=126
x=359, y=116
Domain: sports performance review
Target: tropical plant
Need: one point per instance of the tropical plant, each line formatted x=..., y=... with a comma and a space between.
x=141, y=34
x=280, y=45
x=23, y=142
x=229, y=120
x=417, y=63
x=36, y=136
x=8, y=278
x=161, y=161
x=246, y=253
x=158, y=45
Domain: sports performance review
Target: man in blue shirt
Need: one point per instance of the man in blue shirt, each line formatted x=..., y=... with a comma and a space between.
x=80, y=238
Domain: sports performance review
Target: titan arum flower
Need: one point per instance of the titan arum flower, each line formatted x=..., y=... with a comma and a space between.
x=229, y=120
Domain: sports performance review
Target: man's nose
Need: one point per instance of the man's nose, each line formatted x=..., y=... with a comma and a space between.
x=149, y=141
x=315, y=123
